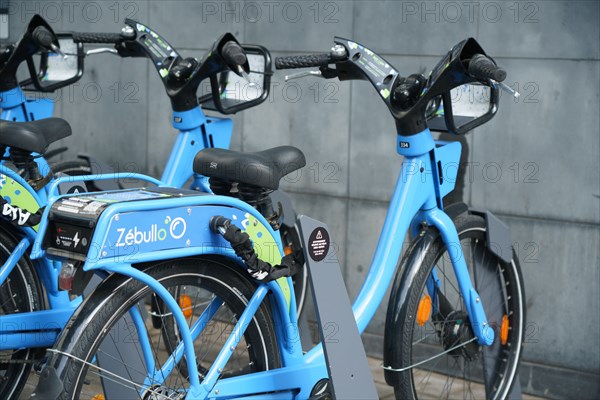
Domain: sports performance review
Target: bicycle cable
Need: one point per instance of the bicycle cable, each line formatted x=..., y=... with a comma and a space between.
x=429, y=359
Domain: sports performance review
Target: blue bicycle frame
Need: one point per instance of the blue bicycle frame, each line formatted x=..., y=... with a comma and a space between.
x=416, y=199
x=195, y=133
x=37, y=328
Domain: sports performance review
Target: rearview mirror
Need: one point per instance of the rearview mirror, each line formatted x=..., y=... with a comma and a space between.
x=56, y=71
x=463, y=108
x=230, y=93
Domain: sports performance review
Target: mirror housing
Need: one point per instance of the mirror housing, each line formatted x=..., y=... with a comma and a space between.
x=54, y=71
x=231, y=93
x=463, y=108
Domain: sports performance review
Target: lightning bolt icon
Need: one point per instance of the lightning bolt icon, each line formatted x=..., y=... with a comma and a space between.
x=76, y=239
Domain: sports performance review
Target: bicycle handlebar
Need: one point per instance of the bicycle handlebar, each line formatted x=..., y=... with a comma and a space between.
x=96, y=37
x=233, y=53
x=303, y=61
x=43, y=37
x=482, y=68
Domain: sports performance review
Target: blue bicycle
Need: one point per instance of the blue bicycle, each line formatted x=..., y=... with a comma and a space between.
x=456, y=314
x=34, y=297
x=196, y=131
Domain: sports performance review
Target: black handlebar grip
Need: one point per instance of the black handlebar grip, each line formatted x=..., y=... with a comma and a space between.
x=481, y=67
x=233, y=53
x=307, y=61
x=95, y=37
x=43, y=37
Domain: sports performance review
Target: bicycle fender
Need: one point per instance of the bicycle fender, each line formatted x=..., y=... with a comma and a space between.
x=403, y=282
x=498, y=237
x=455, y=209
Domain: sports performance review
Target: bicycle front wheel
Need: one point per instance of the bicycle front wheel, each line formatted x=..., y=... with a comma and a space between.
x=437, y=350
x=98, y=367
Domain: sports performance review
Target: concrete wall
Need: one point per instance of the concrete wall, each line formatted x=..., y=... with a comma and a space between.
x=536, y=164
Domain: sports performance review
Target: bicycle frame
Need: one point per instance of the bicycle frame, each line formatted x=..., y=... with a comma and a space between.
x=196, y=132
x=38, y=328
x=42, y=327
x=110, y=256
x=417, y=199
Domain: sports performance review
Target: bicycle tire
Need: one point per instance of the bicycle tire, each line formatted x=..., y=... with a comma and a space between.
x=72, y=167
x=416, y=345
x=20, y=292
x=115, y=296
x=75, y=168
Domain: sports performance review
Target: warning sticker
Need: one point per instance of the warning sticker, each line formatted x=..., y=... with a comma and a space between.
x=318, y=244
x=76, y=190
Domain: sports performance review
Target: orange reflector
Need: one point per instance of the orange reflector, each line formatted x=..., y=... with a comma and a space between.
x=424, y=310
x=98, y=397
x=186, y=305
x=504, y=330
x=287, y=250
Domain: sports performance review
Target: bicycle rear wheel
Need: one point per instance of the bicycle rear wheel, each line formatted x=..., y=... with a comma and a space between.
x=196, y=283
x=20, y=292
x=437, y=350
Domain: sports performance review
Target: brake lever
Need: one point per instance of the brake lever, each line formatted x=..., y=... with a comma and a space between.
x=505, y=87
x=101, y=51
x=242, y=72
x=317, y=74
x=58, y=51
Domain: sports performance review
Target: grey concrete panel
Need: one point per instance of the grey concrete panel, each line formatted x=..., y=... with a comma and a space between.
x=108, y=110
x=539, y=155
x=312, y=115
x=559, y=262
x=195, y=24
x=540, y=29
x=548, y=252
x=97, y=16
x=18, y=18
x=412, y=27
x=84, y=15
x=161, y=134
x=364, y=228
x=298, y=26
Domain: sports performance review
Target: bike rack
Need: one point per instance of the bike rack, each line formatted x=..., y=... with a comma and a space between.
x=349, y=373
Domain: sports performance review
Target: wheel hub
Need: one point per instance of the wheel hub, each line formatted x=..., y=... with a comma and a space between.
x=456, y=330
x=158, y=392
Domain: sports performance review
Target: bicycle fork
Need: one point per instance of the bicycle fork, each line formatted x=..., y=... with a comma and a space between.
x=482, y=330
